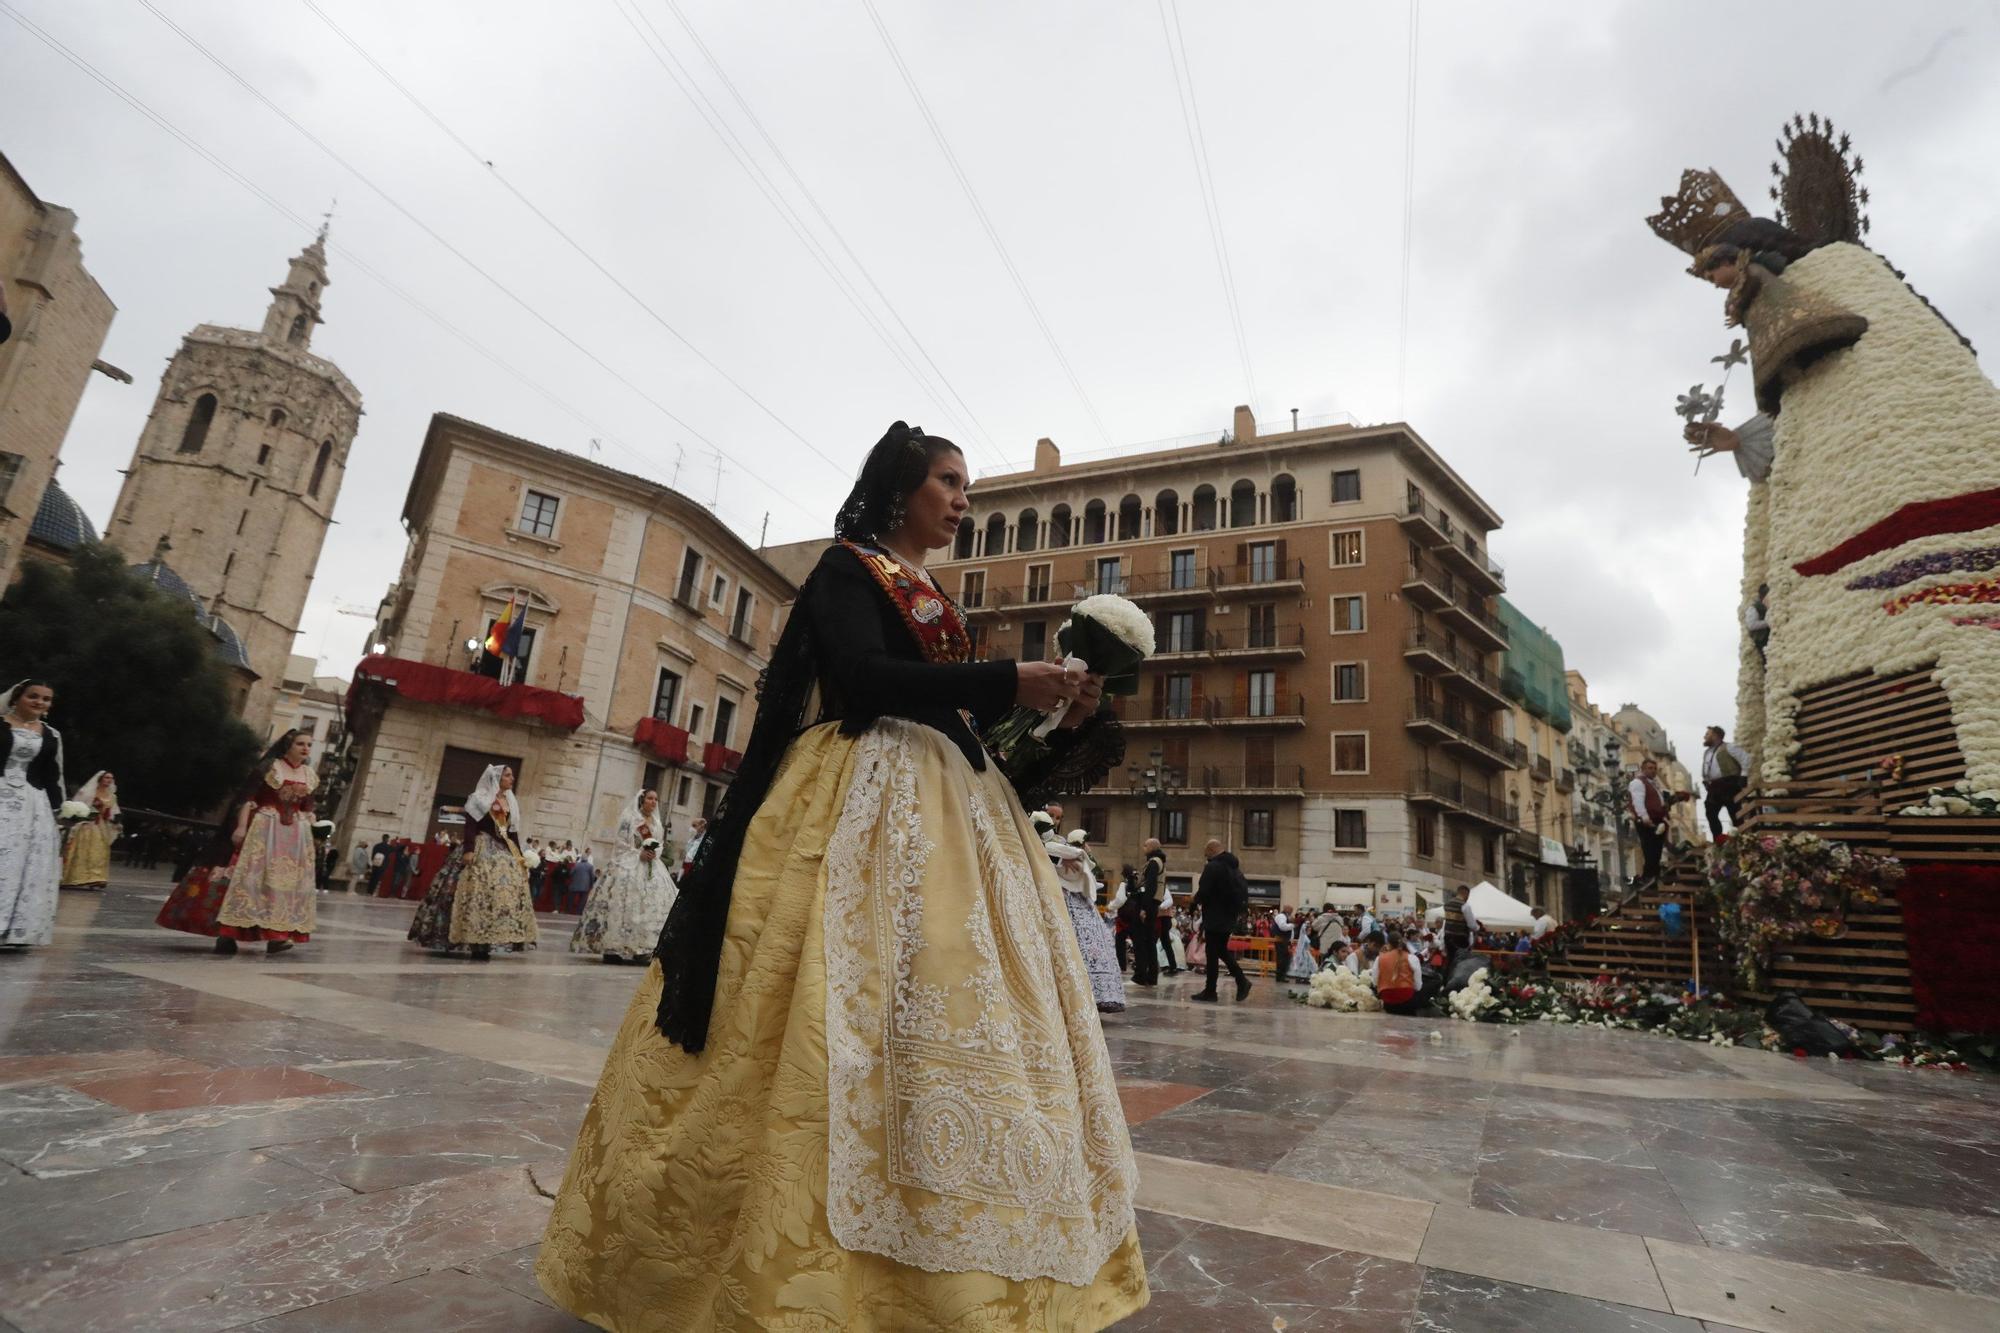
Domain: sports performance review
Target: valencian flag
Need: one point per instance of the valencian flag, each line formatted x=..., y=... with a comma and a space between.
x=496, y=637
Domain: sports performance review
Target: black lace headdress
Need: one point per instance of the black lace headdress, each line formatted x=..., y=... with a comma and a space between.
x=690, y=947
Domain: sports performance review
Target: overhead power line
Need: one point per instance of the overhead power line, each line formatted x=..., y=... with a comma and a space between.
x=785, y=162
x=441, y=240
x=1409, y=209
x=985, y=222
x=656, y=45
x=549, y=222
x=1211, y=199
x=346, y=254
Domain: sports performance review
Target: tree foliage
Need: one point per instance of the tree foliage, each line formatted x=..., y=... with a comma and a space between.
x=139, y=687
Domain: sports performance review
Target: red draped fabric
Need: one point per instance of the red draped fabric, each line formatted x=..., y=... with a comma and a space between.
x=716, y=759
x=1951, y=922
x=666, y=742
x=465, y=689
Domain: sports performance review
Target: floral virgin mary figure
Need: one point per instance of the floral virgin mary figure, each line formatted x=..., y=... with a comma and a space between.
x=1873, y=540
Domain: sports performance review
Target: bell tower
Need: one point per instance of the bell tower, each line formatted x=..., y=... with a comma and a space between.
x=238, y=468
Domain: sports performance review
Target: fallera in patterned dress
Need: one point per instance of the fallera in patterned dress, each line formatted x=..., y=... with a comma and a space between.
x=629, y=903
x=87, y=850
x=31, y=791
x=255, y=880
x=864, y=1086
x=480, y=897
x=1093, y=937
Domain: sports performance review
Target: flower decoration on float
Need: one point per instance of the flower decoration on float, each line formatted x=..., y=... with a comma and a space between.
x=1774, y=888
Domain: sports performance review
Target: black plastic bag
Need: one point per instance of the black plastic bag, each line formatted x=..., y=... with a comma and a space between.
x=1800, y=1029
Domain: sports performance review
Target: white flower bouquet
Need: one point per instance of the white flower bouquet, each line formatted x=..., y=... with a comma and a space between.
x=1342, y=991
x=531, y=858
x=1475, y=999
x=73, y=810
x=1105, y=634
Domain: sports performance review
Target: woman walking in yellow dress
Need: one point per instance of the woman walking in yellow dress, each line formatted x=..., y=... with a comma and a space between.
x=87, y=852
x=863, y=1086
x=480, y=897
x=271, y=883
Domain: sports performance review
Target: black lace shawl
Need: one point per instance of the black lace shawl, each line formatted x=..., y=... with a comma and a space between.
x=840, y=614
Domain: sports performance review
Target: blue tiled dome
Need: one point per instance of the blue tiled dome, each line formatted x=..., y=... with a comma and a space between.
x=228, y=643
x=60, y=521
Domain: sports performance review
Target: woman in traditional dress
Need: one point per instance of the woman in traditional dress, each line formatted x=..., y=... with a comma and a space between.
x=31, y=790
x=270, y=893
x=1302, y=964
x=87, y=852
x=480, y=897
x=865, y=1086
x=630, y=901
x=1093, y=937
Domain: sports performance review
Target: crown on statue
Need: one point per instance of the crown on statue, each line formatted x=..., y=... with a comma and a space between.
x=1691, y=219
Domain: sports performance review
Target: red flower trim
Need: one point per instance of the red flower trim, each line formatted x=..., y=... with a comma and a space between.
x=1919, y=518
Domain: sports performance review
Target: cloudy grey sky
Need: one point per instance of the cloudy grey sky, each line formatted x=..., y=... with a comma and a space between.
x=1548, y=331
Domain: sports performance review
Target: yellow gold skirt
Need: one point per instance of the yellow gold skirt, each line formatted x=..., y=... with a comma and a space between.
x=87, y=857
x=904, y=1118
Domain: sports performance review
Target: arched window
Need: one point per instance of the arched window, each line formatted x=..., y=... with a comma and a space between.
x=277, y=416
x=298, y=333
x=996, y=535
x=1027, y=530
x=962, y=548
x=1284, y=499
x=1093, y=523
x=1242, y=504
x=196, y=433
x=319, y=468
x=1202, y=511
x=1131, y=516
x=1166, y=514
x=1059, y=526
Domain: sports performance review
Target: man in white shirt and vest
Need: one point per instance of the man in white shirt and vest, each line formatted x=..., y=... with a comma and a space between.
x=1725, y=772
x=1649, y=804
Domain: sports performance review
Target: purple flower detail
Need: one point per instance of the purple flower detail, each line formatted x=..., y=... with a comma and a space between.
x=1940, y=562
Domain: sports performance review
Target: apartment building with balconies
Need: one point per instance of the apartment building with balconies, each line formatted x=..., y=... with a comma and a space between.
x=1324, y=696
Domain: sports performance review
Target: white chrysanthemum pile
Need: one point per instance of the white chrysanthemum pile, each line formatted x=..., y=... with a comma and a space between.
x=1121, y=617
x=1904, y=415
x=1475, y=999
x=73, y=810
x=1957, y=800
x=1342, y=991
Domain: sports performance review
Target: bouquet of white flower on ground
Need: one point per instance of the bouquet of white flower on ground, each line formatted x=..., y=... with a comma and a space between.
x=1104, y=634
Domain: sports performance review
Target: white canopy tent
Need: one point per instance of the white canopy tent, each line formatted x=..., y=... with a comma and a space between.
x=1497, y=910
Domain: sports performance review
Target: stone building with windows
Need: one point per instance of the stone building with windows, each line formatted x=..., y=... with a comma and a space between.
x=1645, y=739
x=1324, y=698
x=1605, y=839
x=309, y=701
x=1539, y=793
x=59, y=318
x=236, y=472
x=645, y=623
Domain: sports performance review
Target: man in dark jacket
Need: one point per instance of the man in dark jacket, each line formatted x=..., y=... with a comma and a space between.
x=1222, y=897
x=1146, y=914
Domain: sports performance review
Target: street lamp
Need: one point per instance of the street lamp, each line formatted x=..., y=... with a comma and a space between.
x=1153, y=782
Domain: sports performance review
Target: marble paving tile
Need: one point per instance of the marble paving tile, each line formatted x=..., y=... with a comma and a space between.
x=1533, y=1182
x=1968, y=1248
x=87, y=1064
x=75, y=1212
x=1454, y=1303
x=44, y=1103
x=1783, y=1213
x=1554, y=1256
x=388, y=1158
x=209, y=1087
x=1408, y=1156
x=578, y=1062
x=1346, y=1219
x=1224, y=1279
x=514, y=1270
x=450, y=1301
x=1143, y=1099
x=194, y=1279
x=1227, y=1138
x=1772, y=1296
